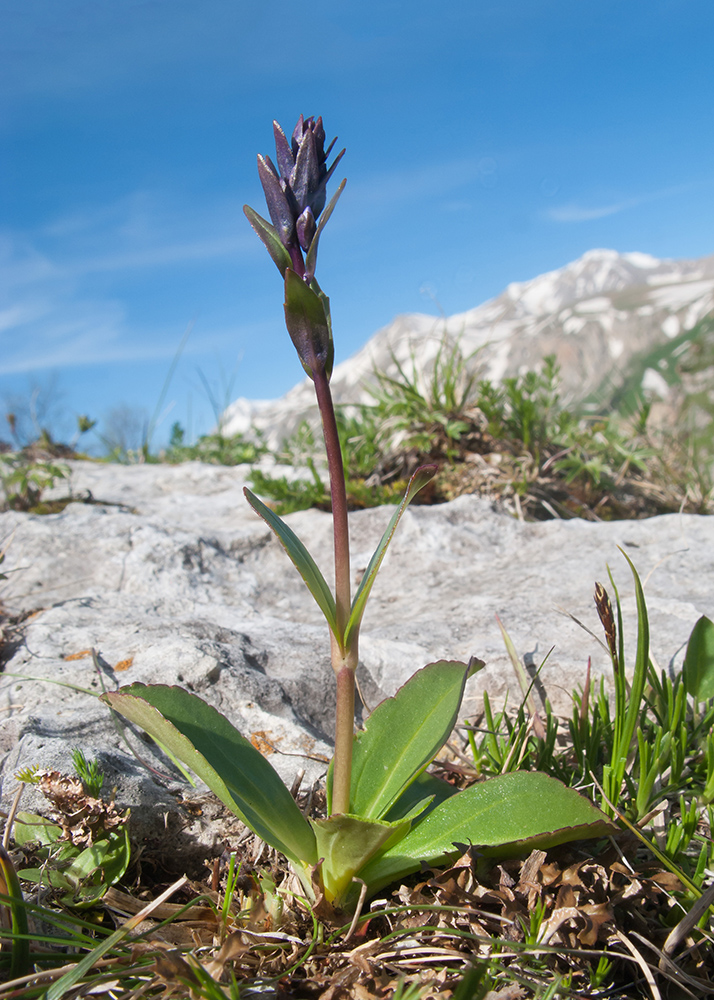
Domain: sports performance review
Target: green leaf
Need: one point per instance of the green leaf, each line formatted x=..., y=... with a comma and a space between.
x=100, y=865
x=83, y=874
x=626, y=734
x=403, y=735
x=229, y=764
x=270, y=239
x=698, y=667
x=426, y=792
x=420, y=478
x=345, y=844
x=29, y=828
x=308, y=325
x=504, y=815
x=300, y=558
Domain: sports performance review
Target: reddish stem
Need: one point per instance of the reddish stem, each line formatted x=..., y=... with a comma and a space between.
x=339, y=504
x=344, y=661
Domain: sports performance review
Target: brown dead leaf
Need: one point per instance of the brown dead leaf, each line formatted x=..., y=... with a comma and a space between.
x=595, y=916
x=667, y=881
x=173, y=969
x=82, y=817
x=233, y=947
x=565, y=897
x=529, y=884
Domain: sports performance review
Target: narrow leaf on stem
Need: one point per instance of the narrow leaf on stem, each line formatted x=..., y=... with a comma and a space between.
x=300, y=558
x=421, y=477
x=270, y=239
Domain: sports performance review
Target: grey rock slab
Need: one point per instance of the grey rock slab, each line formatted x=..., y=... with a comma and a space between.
x=181, y=583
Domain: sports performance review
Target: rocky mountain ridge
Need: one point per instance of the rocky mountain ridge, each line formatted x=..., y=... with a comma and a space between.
x=597, y=314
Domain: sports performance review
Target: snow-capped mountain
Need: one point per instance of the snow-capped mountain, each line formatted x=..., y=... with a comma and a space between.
x=597, y=315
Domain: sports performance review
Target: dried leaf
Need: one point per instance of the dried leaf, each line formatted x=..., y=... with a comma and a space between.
x=82, y=817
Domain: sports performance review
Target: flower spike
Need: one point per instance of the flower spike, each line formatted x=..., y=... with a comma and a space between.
x=295, y=193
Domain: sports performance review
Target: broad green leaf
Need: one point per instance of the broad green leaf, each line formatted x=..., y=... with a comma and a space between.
x=100, y=865
x=504, y=815
x=300, y=558
x=84, y=874
x=29, y=828
x=345, y=844
x=48, y=876
x=698, y=667
x=403, y=734
x=420, y=478
x=270, y=239
x=426, y=792
x=229, y=764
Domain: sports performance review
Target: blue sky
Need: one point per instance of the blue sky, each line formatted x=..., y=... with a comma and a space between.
x=487, y=142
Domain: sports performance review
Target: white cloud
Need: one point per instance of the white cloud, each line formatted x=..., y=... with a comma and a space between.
x=162, y=254
x=573, y=212
x=578, y=213
x=64, y=297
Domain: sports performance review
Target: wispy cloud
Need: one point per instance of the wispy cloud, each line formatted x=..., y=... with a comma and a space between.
x=63, y=293
x=144, y=230
x=161, y=255
x=574, y=212
x=578, y=213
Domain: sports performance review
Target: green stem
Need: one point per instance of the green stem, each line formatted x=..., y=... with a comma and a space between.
x=344, y=738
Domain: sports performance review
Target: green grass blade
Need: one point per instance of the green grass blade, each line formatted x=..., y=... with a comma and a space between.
x=420, y=478
x=511, y=813
x=639, y=677
x=229, y=764
x=11, y=891
x=60, y=988
x=301, y=560
x=403, y=734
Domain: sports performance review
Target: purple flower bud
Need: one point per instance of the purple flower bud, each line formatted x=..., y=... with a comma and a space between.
x=306, y=228
x=296, y=192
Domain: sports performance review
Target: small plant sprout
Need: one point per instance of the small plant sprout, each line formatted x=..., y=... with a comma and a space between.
x=386, y=814
x=88, y=773
x=24, y=480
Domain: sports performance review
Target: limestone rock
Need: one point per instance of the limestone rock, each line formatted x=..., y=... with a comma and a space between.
x=173, y=579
